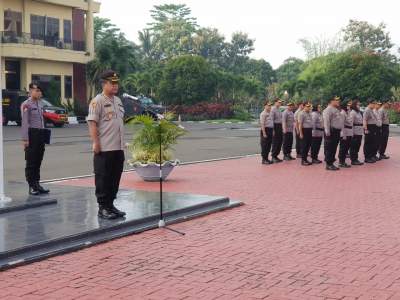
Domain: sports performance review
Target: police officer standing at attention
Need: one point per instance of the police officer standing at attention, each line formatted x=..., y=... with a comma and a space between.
x=296, y=126
x=106, y=127
x=384, y=116
x=276, y=116
x=33, y=137
x=369, y=124
x=358, y=132
x=287, y=127
x=378, y=135
x=305, y=129
x=333, y=124
x=317, y=133
x=346, y=135
x=267, y=129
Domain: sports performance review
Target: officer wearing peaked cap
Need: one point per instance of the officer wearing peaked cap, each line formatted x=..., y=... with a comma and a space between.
x=106, y=127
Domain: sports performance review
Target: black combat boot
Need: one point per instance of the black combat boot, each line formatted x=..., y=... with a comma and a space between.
x=107, y=213
x=118, y=212
x=344, y=165
x=33, y=190
x=41, y=189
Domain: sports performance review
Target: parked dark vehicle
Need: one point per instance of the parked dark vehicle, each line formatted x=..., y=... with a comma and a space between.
x=11, y=102
x=134, y=107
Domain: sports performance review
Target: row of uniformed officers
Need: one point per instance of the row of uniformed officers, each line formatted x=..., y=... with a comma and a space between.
x=340, y=125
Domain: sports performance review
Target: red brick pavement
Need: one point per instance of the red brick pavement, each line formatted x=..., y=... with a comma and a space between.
x=304, y=233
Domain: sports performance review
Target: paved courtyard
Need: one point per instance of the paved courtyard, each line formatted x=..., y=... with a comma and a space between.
x=303, y=233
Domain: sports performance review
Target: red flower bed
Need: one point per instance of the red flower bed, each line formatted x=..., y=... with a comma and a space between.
x=203, y=111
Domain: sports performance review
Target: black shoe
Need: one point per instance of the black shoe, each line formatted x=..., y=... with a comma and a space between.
x=306, y=163
x=332, y=168
x=370, y=161
x=383, y=156
x=117, y=211
x=287, y=158
x=357, y=163
x=291, y=157
x=376, y=158
x=267, y=162
x=41, y=189
x=344, y=165
x=33, y=191
x=316, y=161
x=107, y=213
x=276, y=160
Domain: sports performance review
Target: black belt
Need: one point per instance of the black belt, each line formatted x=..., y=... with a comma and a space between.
x=348, y=127
x=320, y=129
x=358, y=124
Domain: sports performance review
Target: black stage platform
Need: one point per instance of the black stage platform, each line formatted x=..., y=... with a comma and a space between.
x=33, y=228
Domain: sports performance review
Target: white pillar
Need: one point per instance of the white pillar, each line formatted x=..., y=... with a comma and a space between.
x=90, y=29
x=3, y=198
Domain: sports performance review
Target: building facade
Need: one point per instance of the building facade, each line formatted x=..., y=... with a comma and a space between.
x=48, y=42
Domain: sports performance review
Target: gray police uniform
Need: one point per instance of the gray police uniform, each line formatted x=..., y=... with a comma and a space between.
x=317, y=134
x=277, y=139
x=370, y=141
x=378, y=136
x=346, y=135
x=358, y=132
x=305, y=122
x=384, y=117
x=32, y=130
x=298, y=141
x=288, y=124
x=108, y=114
x=268, y=124
x=333, y=124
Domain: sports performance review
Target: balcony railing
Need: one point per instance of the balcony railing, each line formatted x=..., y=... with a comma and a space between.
x=10, y=37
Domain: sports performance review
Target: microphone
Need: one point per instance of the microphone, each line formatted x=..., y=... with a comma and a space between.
x=125, y=95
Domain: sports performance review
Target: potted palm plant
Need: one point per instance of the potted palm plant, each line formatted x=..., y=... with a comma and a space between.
x=145, y=146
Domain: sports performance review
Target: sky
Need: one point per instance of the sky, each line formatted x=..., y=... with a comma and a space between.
x=276, y=25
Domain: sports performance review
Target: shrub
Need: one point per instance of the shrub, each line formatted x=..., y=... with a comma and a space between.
x=394, y=116
x=203, y=111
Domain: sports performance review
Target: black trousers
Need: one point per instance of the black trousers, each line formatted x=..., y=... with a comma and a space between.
x=378, y=140
x=34, y=156
x=384, y=139
x=298, y=144
x=108, y=167
x=287, y=143
x=306, y=143
x=355, y=147
x=266, y=142
x=344, y=148
x=370, y=141
x=330, y=146
x=277, y=140
x=315, y=146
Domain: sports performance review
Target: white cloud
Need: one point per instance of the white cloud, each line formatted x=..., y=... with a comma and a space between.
x=276, y=25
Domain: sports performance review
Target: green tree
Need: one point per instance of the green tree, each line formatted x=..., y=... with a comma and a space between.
x=289, y=70
x=366, y=36
x=172, y=29
x=187, y=80
x=210, y=44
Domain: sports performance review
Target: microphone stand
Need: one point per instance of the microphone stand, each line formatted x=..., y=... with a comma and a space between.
x=161, y=222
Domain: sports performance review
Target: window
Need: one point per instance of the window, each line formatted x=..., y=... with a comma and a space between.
x=13, y=23
x=52, y=31
x=68, y=87
x=37, y=27
x=67, y=32
x=51, y=85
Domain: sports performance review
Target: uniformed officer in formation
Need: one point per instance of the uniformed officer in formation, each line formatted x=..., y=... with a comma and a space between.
x=287, y=127
x=266, y=133
x=346, y=134
x=384, y=116
x=33, y=137
x=296, y=127
x=378, y=135
x=317, y=133
x=277, y=139
x=106, y=127
x=357, y=119
x=305, y=130
x=370, y=128
x=333, y=124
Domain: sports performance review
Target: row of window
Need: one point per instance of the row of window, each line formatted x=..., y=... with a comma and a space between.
x=51, y=84
x=42, y=27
